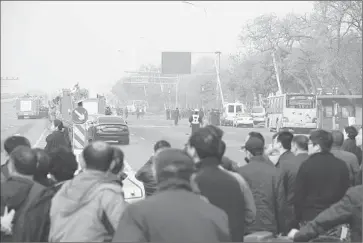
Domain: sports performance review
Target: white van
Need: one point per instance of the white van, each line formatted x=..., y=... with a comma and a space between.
x=230, y=111
x=259, y=116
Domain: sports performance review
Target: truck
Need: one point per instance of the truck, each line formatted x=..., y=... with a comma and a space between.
x=95, y=106
x=28, y=107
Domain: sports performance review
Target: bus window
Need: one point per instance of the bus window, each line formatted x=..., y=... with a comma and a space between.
x=238, y=108
x=300, y=102
x=231, y=109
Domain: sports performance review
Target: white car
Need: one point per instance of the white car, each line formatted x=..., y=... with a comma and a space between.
x=133, y=189
x=243, y=120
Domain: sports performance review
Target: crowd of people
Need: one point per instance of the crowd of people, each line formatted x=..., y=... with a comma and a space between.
x=313, y=190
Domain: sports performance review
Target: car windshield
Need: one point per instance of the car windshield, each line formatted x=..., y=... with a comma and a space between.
x=110, y=120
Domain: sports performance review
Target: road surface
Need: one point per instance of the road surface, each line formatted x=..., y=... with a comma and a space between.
x=10, y=125
x=146, y=132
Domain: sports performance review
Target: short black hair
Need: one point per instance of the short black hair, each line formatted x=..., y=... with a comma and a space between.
x=206, y=143
x=301, y=141
x=322, y=138
x=43, y=166
x=24, y=160
x=63, y=164
x=257, y=135
x=118, y=157
x=338, y=138
x=98, y=156
x=218, y=132
x=161, y=144
x=285, y=139
x=14, y=141
x=351, y=131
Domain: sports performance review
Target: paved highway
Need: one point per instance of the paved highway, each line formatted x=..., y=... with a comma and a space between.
x=145, y=132
x=10, y=125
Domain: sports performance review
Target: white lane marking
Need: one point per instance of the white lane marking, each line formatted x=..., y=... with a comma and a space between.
x=142, y=138
x=40, y=138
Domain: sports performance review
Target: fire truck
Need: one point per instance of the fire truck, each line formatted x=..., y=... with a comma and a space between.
x=28, y=107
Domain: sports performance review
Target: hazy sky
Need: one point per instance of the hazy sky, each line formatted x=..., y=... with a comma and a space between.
x=52, y=45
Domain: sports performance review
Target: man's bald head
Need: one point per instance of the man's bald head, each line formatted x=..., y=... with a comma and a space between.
x=338, y=138
x=24, y=160
x=98, y=156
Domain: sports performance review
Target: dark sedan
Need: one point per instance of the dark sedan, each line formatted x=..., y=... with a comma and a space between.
x=110, y=128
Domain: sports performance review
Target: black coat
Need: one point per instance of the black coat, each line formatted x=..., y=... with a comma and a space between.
x=223, y=191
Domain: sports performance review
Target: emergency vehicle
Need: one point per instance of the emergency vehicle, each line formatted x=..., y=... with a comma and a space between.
x=230, y=111
x=28, y=107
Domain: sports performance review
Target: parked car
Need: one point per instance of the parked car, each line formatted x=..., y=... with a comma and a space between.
x=243, y=120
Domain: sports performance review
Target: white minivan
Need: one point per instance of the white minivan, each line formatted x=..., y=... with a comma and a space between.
x=230, y=111
x=259, y=116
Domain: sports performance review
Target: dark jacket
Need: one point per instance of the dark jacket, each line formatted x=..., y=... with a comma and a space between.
x=351, y=161
x=5, y=171
x=321, y=181
x=350, y=145
x=229, y=164
x=55, y=140
x=14, y=193
x=346, y=211
x=267, y=189
x=289, y=165
x=145, y=175
x=224, y=191
x=173, y=214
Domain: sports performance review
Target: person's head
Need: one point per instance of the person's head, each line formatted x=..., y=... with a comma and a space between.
x=58, y=125
x=98, y=156
x=222, y=149
x=320, y=141
x=43, y=166
x=63, y=164
x=23, y=161
x=162, y=144
x=283, y=140
x=256, y=135
x=253, y=147
x=350, y=132
x=173, y=164
x=196, y=112
x=118, y=160
x=216, y=130
x=299, y=144
x=203, y=143
x=338, y=138
x=14, y=141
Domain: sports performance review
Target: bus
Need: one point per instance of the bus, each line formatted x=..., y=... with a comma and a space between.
x=230, y=111
x=294, y=112
x=132, y=105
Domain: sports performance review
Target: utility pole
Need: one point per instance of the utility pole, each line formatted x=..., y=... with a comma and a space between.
x=219, y=86
x=276, y=72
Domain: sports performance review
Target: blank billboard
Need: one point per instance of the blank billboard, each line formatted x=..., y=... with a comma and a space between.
x=176, y=63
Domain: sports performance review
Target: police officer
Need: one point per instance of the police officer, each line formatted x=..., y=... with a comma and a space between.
x=195, y=121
